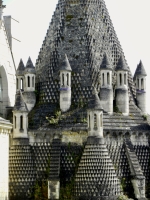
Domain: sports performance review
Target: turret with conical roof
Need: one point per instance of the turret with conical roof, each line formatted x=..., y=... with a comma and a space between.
x=20, y=117
x=95, y=116
x=20, y=76
x=121, y=92
x=140, y=82
x=29, y=76
x=106, y=91
x=65, y=85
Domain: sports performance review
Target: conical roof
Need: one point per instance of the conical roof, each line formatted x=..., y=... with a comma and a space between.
x=65, y=64
x=140, y=70
x=121, y=64
x=106, y=63
x=20, y=105
x=29, y=67
x=21, y=68
x=94, y=102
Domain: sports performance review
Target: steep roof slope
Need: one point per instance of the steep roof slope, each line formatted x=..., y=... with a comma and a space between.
x=84, y=32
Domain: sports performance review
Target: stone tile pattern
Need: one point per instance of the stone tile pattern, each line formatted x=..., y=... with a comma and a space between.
x=96, y=176
x=84, y=32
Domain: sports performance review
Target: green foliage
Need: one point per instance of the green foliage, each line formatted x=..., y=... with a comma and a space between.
x=144, y=117
x=66, y=191
x=39, y=191
x=123, y=197
x=123, y=183
x=69, y=17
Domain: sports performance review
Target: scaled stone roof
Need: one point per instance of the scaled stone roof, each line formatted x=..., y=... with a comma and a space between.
x=29, y=67
x=20, y=105
x=65, y=65
x=21, y=68
x=121, y=64
x=140, y=70
x=106, y=63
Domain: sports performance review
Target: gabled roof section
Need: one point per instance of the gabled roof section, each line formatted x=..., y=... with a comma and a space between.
x=122, y=64
x=94, y=102
x=21, y=68
x=29, y=67
x=20, y=104
x=65, y=65
x=140, y=70
x=106, y=63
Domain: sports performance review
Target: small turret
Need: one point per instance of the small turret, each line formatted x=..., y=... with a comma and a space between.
x=65, y=85
x=140, y=82
x=95, y=116
x=20, y=76
x=29, y=76
x=121, y=93
x=106, y=91
x=20, y=117
x=29, y=88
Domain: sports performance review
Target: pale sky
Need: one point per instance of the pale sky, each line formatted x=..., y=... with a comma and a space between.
x=130, y=19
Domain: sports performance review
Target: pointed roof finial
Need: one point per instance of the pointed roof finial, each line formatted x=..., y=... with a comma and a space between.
x=106, y=62
x=29, y=67
x=140, y=70
x=94, y=102
x=21, y=68
x=122, y=64
x=20, y=105
x=65, y=64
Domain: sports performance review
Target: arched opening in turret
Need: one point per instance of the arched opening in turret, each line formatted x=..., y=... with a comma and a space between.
x=120, y=79
x=89, y=122
x=63, y=79
x=28, y=81
x=32, y=81
x=138, y=83
x=21, y=122
x=95, y=121
x=17, y=84
x=125, y=79
x=15, y=121
x=102, y=78
x=67, y=79
x=108, y=78
x=101, y=120
x=142, y=84
x=21, y=83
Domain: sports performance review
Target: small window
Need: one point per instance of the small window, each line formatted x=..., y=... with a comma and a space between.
x=95, y=121
x=142, y=84
x=125, y=79
x=68, y=79
x=120, y=77
x=89, y=122
x=28, y=81
x=63, y=79
x=108, y=78
x=21, y=84
x=17, y=84
x=15, y=121
x=21, y=122
x=138, y=83
x=103, y=79
x=101, y=122
x=32, y=81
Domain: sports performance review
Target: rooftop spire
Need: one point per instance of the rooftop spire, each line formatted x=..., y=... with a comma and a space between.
x=29, y=67
x=20, y=70
x=94, y=102
x=105, y=62
x=65, y=64
x=140, y=70
x=122, y=64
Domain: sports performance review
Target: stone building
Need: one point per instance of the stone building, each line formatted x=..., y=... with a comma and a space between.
x=7, y=65
x=80, y=128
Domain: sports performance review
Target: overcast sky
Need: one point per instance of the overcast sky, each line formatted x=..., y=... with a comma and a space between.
x=130, y=19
